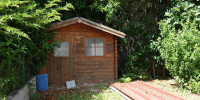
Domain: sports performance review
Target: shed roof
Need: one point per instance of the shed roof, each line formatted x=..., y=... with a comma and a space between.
x=89, y=23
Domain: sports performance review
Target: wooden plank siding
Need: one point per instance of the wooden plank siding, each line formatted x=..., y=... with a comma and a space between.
x=115, y=58
x=87, y=69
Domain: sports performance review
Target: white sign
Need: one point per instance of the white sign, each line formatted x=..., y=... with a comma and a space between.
x=70, y=84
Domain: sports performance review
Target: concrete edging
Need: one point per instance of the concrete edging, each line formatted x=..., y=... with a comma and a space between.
x=25, y=92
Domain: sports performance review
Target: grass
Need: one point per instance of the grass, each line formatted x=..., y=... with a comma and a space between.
x=171, y=86
x=95, y=92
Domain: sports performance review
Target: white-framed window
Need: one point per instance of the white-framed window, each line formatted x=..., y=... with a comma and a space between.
x=62, y=51
x=94, y=47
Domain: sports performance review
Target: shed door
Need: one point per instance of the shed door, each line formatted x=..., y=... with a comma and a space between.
x=61, y=63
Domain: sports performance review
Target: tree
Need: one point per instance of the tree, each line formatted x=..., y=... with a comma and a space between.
x=138, y=19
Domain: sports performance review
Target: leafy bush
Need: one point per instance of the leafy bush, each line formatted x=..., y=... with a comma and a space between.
x=133, y=72
x=125, y=80
x=180, y=43
x=23, y=40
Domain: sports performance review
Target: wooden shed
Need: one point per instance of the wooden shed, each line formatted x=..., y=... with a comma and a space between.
x=88, y=53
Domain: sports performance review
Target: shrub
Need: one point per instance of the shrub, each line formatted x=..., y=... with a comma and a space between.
x=125, y=80
x=23, y=40
x=180, y=43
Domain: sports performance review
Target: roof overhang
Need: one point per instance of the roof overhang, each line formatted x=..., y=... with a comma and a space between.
x=86, y=22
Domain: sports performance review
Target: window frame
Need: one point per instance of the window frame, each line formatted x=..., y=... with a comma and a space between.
x=95, y=46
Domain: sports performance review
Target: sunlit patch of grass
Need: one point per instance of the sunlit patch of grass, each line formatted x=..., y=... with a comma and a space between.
x=97, y=92
x=100, y=86
x=106, y=95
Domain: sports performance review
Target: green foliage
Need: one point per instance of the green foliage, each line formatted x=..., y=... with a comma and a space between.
x=125, y=80
x=22, y=32
x=179, y=43
x=35, y=96
x=100, y=86
x=138, y=19
x=88, y=9
x=97, y=10
x=9, y=72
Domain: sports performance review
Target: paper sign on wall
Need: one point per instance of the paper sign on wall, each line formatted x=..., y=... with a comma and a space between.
x=70, y=84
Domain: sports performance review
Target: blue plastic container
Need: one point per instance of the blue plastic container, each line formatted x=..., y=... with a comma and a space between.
x=42, y=82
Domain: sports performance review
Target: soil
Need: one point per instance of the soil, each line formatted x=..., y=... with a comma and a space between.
x=84, y=92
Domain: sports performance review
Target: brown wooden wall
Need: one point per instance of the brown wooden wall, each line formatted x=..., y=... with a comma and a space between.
x=89, y=68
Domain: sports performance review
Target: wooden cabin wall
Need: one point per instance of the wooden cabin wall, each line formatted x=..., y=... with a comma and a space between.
x=90, y=68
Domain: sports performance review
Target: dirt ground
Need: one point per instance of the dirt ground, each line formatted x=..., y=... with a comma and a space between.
x=170, y=86
x=102, y=92
x=85, y=92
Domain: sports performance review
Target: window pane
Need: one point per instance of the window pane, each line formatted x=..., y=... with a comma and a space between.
x=65, y=45
x=89, y=42
x=63, y=50
x=90, y=51
x=99, y=41
x=99, y=51
x=57, y=52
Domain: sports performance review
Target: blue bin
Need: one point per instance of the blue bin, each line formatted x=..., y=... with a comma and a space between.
x=42, y=82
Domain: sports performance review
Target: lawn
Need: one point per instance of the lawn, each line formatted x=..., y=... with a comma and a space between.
x=86, y=92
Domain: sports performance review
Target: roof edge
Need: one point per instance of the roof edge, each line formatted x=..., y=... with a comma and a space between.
x=86, y=22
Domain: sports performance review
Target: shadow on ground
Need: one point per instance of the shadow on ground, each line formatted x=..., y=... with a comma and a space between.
x=87, y=92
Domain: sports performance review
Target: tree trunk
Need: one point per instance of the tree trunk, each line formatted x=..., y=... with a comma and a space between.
x=154, y=71
x=163, y=70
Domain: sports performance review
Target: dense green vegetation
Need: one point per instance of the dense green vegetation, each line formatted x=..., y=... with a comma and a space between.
x=138, y=19
x=141, y=56
x=179, y=43
x=23, y=40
